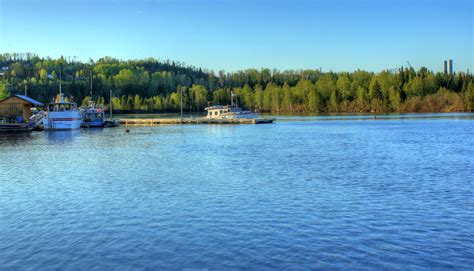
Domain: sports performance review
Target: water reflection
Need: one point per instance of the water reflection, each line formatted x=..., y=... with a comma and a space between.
x=371, y=116
x=59, y=137
x=318, y=194
x=10, y=139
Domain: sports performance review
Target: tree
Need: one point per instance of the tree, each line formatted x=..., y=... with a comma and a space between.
x=288, y=99
x=429, y=84
x=334, y=101
x=86, y=101
x=3, y=90
x=344, y=87
x=414, y=86
x=277, y=97
x=116, y=104
x=469, y=100
x=258, y=97
x=43, y=75
x=157, y=103
x=221, y=96
x=267, y=99
x=248, y=97
x=394, y=98
x=362, y=99
x=315, y=101
x=199, y=96
x=125, y=79
x=375, y=90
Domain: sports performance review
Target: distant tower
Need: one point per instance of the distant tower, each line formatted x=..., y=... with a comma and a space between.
x=445, y=67
x=450, y=66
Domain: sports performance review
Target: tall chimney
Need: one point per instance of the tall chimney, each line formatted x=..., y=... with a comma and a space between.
x=445, y=67
x=450, y=66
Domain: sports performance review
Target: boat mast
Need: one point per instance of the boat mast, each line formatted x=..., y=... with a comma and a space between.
x=232, y=95
x=90, y=90
x=60, y=90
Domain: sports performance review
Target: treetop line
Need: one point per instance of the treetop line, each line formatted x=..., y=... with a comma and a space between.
x=150, y=85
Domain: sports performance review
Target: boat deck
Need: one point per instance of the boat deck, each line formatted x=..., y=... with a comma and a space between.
x=163, y=121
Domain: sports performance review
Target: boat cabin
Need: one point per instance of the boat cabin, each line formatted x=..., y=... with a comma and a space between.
x=216, y=111
x=61, y=106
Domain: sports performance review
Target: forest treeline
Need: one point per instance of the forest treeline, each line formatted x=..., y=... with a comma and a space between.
x=151, y=85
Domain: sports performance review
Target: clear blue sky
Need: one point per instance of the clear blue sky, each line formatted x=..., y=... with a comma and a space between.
x=339, y=35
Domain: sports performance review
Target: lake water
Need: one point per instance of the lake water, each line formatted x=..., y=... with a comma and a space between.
x=321, y=192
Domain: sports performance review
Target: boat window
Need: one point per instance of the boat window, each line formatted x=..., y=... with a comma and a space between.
x=221, y=111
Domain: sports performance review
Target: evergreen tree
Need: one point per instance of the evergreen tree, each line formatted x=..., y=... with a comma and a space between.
x=3, y=90
x=469, y=100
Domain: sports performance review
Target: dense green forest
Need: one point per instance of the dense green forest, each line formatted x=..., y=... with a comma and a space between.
x=150, y=85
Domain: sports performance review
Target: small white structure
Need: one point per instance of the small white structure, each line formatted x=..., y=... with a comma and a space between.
x=229, y=111
x=215, y=112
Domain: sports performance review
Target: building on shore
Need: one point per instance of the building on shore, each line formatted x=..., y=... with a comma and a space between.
x=16, y=112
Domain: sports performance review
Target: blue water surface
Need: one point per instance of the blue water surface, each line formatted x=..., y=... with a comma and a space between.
x=302, y=193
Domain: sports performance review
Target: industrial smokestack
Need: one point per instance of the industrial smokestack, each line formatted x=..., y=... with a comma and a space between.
x=445, y=67
x=450, y=66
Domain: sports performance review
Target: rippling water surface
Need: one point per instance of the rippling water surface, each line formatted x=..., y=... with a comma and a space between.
x=303, y=193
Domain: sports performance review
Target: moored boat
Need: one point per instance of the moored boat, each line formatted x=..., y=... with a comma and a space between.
x=62, y=115
x=231, y=111
x=93, y=116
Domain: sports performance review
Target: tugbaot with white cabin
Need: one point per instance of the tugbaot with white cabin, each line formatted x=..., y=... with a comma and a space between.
x=231, y=111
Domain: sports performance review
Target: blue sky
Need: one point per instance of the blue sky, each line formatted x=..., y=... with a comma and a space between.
x=339, y=35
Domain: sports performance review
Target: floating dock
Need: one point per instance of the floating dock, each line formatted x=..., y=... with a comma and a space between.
x=193, y=121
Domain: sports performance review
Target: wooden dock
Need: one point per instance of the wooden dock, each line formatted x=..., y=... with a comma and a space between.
x=163, y=121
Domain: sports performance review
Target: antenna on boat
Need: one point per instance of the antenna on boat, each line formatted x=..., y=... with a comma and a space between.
x=232, y=95
x=60, y=90
x=90, y=90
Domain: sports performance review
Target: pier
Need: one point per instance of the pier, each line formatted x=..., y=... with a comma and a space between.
x=163, y=121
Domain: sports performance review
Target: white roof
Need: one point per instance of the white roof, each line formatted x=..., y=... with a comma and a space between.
x=214, y=107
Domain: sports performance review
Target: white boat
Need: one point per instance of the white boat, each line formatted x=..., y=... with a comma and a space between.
x=231, y=111
x=62, y=116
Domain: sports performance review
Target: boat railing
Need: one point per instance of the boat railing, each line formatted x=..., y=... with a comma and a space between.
x=38, y=117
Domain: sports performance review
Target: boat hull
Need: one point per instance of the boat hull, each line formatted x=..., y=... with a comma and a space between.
x=58, y=123
x=16, y=127
x=62, y=125
x=249, y=115
x=92, y=117
x=93, y=124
